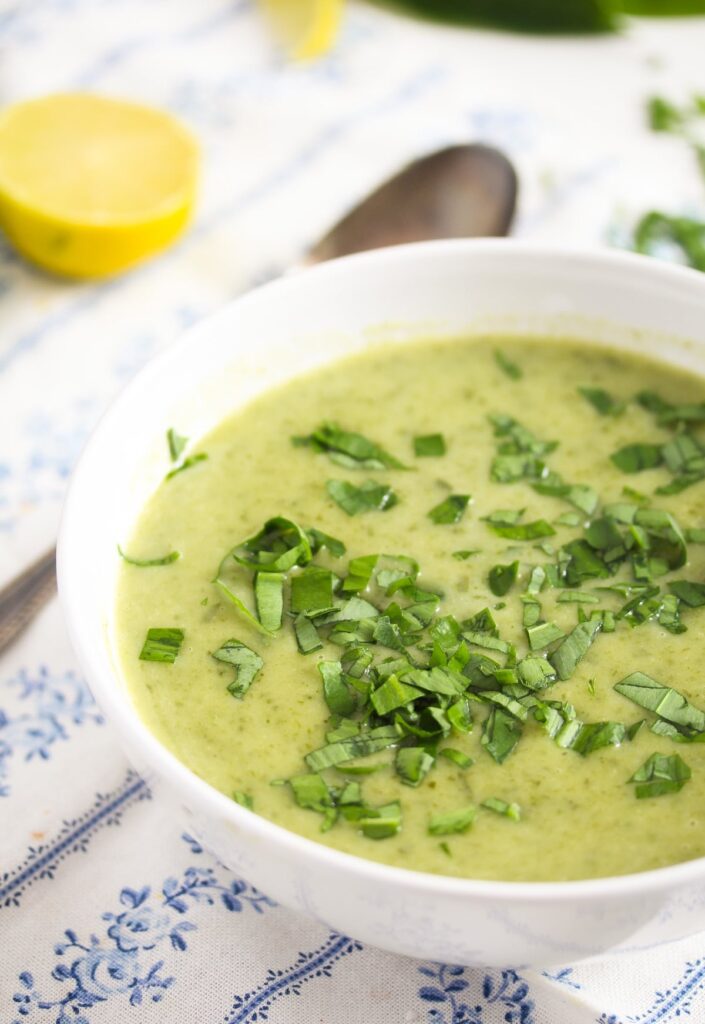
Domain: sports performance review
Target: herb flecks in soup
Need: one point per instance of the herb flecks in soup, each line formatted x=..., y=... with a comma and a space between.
x=441, y=606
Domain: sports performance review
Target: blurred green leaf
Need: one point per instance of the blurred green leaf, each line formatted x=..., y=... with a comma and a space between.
x=559, y=16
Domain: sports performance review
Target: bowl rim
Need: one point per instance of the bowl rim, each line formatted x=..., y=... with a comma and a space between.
x=164, y=763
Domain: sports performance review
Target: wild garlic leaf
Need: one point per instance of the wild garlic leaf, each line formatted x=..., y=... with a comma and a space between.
x=660, y=774
x=663, y=701
x=501, y=578
x=602, y=401
x=633, y=458
x=246, y=662
x=449, y=511
x=429, y=445
x=162, y=645
x=368, y=497
x=144, y=563
x=453, y=822
x=350, y=449
x=509, y=368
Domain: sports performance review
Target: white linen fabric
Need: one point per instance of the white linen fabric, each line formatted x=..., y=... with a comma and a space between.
x=109, y=911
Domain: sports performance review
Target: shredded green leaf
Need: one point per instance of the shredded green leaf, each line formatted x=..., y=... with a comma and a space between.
x=602, y=401
x=426, y=445
x=246, y=662
x=349, y=449
x=511, y=369
x=453, y=823
x=660, y=774
x=162, y=645
x=501, y=807
x=369, y=497
x=144, y=563
x=449, y=511
x=502, y=578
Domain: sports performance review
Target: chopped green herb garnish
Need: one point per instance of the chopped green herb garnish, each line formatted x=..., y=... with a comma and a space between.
x=312, y=591
x=511, y=369
x=244, y=799
x=659, y=775
x=353, y=747
x=453, y=823
x=456, y=757
x=574, y=647
x=311, y=792
x=535, y=673
x=511, y=811
x=501, y=578
x=162, y=645
x=318, y=539
x=279, y=546
x=426, y=445
x=577, y=597
x=449, y=511
x=246, y=662
x=176, y=444
x=542, y=634
x=338, y=694
x=269, y=597
x=413, y=764
x=690, y=593
x=663, y=701
x=602, y=401
x=585, y=737
x=523, y=531
x=192, y=460
x=144, y=563
x=393, y=694
x=369, y=497
x=382, y=822
x=500, y=734
x=633, y=458
x=569, y=519
x=636, y=496
x=354, y=451
x=462, y=556
x=307, y=637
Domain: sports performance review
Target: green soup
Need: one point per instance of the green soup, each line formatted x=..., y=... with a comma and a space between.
x=482, y=697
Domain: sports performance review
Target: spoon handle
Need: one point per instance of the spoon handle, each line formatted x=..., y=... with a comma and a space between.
x=25, y=596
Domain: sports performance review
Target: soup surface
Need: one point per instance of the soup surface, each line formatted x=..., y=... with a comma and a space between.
x=460, y=715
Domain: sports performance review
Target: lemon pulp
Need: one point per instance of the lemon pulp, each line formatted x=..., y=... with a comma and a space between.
x=91, y=185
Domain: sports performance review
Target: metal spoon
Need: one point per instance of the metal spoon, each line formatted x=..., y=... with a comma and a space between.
x=458, y=192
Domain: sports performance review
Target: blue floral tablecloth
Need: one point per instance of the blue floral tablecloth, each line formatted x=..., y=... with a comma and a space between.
x=108, y=910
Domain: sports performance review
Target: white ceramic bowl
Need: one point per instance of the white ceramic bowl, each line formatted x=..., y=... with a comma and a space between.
x=288, y=328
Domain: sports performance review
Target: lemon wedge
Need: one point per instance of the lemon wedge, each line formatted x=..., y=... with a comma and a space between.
x=306, y=28
x=89, y=185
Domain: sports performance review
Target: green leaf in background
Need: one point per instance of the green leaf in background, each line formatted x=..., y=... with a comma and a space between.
x=657, y=229
x=523, y=15
x=663, y=8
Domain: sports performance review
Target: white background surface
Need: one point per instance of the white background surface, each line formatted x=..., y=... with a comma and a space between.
x=286, y=150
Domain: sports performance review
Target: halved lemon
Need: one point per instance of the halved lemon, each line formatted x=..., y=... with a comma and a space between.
x=89, y=185
x=306, y=28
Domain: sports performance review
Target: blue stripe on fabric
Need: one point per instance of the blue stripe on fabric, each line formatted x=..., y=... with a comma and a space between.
x=133, y=788
x=255, y=1005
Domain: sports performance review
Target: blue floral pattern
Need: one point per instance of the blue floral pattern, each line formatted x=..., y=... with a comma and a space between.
x=452, y=1001
x=54, y=702
x=121, y=963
